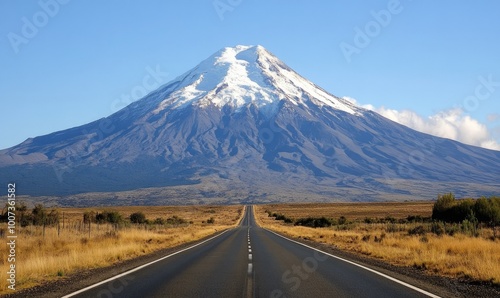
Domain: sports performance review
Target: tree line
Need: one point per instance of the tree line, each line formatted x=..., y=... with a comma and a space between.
x=41, y=216
x=484, y=210
x=38, y=216
x=449, y=216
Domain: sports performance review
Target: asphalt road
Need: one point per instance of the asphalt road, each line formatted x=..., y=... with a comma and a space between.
x=249, y=261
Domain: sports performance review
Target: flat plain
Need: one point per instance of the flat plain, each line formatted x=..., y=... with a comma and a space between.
x=71, y=245
x=401, y=234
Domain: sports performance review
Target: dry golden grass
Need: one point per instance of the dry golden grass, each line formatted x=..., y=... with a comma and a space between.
x=197, y=214
x=353, y=211
x=60, y=253
x=455, y=256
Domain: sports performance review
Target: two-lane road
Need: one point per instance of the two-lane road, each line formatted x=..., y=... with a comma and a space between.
x=249, y=261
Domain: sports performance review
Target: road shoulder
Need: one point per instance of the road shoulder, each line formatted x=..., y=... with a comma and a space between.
x=439, y=285
x=85, y=278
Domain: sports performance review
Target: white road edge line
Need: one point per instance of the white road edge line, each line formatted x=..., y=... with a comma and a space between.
x=361, y=266
x=140, y=267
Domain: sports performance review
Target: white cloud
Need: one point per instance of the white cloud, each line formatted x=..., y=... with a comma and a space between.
x=451, y=124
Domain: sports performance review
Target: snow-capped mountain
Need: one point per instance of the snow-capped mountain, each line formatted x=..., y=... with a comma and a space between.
x=243, y=75
x=243, y=120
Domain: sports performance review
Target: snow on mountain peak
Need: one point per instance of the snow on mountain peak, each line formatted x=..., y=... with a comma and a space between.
x=243, y=75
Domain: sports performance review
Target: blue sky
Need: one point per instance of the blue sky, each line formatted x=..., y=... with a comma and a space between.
x=431, y=65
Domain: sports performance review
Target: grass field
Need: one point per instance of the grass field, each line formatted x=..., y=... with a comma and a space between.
x=58, y=251
x=398, y=242
x=354, y=211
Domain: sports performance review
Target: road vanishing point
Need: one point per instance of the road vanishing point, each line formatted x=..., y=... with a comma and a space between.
x=249, y=261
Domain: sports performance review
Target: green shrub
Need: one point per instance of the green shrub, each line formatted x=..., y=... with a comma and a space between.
x=138, y=218
x=483, y=210
x=415, y=218
x=89, y=216
x=469, y=227
x=390, y=219
x=175, y=220
x=392, y=228
x=451, y=229
x=438, y=228
x=108, y=216
x=463, y=210
x=282, y=217
x=442, y=208
x=40, y=216
x=314, y=222
x=369, y=220
x=488, y=211
x=418, y=230
x=342, y=220
x=159, y=221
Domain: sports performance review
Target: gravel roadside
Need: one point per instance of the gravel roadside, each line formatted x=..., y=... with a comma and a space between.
x=82, y=279
x=443, y=286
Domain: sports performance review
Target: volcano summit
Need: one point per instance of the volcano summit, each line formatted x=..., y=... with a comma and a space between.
x=243, y=127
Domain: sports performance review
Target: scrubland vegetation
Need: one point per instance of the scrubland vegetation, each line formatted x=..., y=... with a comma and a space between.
x=456, y=238
x=55, y=243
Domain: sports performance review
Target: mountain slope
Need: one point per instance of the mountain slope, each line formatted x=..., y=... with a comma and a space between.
x=242, y=118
